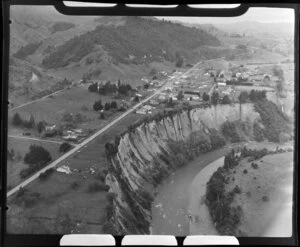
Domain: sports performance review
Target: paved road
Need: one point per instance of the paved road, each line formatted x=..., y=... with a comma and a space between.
x=34, y=139
x=89, y=139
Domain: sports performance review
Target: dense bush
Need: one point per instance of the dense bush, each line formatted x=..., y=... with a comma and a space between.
x=231, y=130
x=275, y=122
x=225, y=216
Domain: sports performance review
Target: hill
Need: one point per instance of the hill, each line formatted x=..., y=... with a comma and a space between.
x=139, y=40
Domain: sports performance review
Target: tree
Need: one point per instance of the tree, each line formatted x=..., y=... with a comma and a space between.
x=93, y=87
x=98, y=105
x=277, y=71
x=40, y=126
x=37, y=155
x=205, y=97
x=31, y=121
x=180, y=95
x=243, y=97
x=215, y=98
x=179, y=60
x=17, y=120
x=107, y=106
x=113, y=105
x=64, y=147
x=226, y=100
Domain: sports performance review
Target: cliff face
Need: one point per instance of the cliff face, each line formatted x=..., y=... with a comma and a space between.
x=142, y=159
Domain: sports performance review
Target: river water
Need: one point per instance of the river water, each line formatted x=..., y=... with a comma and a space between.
x=170, y=208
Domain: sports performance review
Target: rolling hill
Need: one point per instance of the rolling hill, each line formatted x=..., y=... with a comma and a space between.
x=139, y=40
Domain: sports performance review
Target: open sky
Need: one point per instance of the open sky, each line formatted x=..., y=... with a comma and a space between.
x=268, y=15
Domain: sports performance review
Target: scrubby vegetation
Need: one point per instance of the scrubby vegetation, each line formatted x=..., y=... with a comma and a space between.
x=64, y=147
x=61, y=26
x=27, y=50
x=27, y=199
x=45, y=175
x=275, y=122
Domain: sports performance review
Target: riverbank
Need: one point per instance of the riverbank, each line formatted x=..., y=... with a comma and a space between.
x=201, y=222
x=273, y=178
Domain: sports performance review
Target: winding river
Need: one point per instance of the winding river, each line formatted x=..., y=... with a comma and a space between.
x=177, y=196
x=170, y=208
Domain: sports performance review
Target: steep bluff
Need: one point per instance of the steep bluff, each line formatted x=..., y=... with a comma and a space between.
x=143, y=155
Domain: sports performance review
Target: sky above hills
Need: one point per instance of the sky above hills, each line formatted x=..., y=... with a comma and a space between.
x=265, y=15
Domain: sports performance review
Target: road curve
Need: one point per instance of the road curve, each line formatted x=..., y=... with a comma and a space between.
x=92, y=137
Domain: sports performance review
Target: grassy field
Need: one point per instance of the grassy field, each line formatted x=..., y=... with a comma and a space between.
x=265, y=192
x=21, y=147
x=58, y=197
x=75, y=100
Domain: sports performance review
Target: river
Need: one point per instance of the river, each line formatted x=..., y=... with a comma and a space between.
x=174, y=197
x=170, y=208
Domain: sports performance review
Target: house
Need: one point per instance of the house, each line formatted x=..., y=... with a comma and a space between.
x=50, y=127
x=161, y=97
x=78, y=130
x=70, y=137
x=221, y=84
x=141, y=111
x=153, y=102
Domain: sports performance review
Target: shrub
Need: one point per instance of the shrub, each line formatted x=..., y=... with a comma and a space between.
x=245, y=171
x=46, y=174
x=236, y=190
x=75, y=185
x=100, y=176
x=254, y=165
x=95, y=187
x=265, y=198
x=110, y=196
x=26, y=198
x=64, y=147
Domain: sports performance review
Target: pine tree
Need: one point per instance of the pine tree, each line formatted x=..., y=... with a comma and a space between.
x=17, y=120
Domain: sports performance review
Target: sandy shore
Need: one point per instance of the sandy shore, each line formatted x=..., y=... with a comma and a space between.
x=201, y=223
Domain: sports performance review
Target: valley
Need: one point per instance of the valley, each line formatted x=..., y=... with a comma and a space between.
x=114, y=120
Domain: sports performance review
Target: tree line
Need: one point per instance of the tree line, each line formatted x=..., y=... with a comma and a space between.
x=18, y=121
x=110, y=88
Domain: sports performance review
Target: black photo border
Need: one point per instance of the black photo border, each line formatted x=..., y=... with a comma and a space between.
x=9, y=240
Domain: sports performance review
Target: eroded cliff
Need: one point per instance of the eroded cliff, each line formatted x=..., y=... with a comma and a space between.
x=144, y=157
